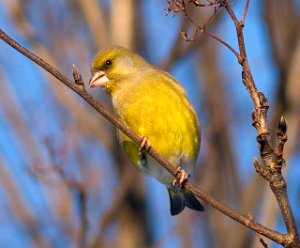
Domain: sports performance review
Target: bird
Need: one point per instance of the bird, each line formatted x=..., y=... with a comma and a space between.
x=154, y=105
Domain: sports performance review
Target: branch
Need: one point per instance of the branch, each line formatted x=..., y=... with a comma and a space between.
x=272, y=161
x=244, y=219
x=203, y=29
x=245, y=12
x=221, y=41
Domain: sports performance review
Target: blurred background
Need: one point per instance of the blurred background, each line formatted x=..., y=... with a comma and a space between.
x=64, y=180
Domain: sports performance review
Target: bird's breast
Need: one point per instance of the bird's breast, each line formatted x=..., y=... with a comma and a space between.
x=161, y=114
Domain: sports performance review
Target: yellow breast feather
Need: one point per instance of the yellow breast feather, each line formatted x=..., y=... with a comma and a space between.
x=157, y=110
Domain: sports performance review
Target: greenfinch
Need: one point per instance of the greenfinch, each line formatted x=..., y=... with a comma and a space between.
x=155, y=106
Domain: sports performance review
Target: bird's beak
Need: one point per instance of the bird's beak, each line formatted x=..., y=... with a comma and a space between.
x=98, y=79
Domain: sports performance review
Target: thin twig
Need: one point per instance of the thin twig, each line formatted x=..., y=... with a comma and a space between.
x=203, y=29
x=241, y=218
x=245, y=13
x=221, y=41
x=261, y=240
x=230, y=12
x=179, y=49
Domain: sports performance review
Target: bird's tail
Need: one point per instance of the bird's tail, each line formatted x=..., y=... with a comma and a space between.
x=181, y=198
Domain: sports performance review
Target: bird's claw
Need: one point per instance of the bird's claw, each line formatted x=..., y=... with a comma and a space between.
x=145, y=145
x=181, y=178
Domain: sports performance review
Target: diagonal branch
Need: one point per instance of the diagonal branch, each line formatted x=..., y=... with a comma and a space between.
x=245, y=220
x=221, y=41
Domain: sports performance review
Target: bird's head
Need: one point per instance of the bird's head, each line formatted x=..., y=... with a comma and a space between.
x=114, y=66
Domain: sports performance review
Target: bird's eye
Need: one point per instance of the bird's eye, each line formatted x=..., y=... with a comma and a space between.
x=108, y=62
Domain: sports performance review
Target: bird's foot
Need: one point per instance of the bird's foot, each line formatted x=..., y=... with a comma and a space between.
x=181, y=178
x=145, y=146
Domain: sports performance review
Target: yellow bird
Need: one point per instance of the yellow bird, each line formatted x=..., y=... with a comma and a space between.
x=155, y=106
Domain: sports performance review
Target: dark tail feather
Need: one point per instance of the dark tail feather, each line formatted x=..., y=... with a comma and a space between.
x=177, y=202
x=191, y=201
x=182, y=198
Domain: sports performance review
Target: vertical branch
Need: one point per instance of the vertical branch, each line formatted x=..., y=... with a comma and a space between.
x=272, y=162
x=243, y=60
x=245, y=12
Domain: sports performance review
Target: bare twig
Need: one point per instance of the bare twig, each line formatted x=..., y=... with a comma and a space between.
x=263, y=243
x=180, y=49
x=284, y=239
x=176, y=6
x=203, y=29
x=245, y=12
x=221, y=41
